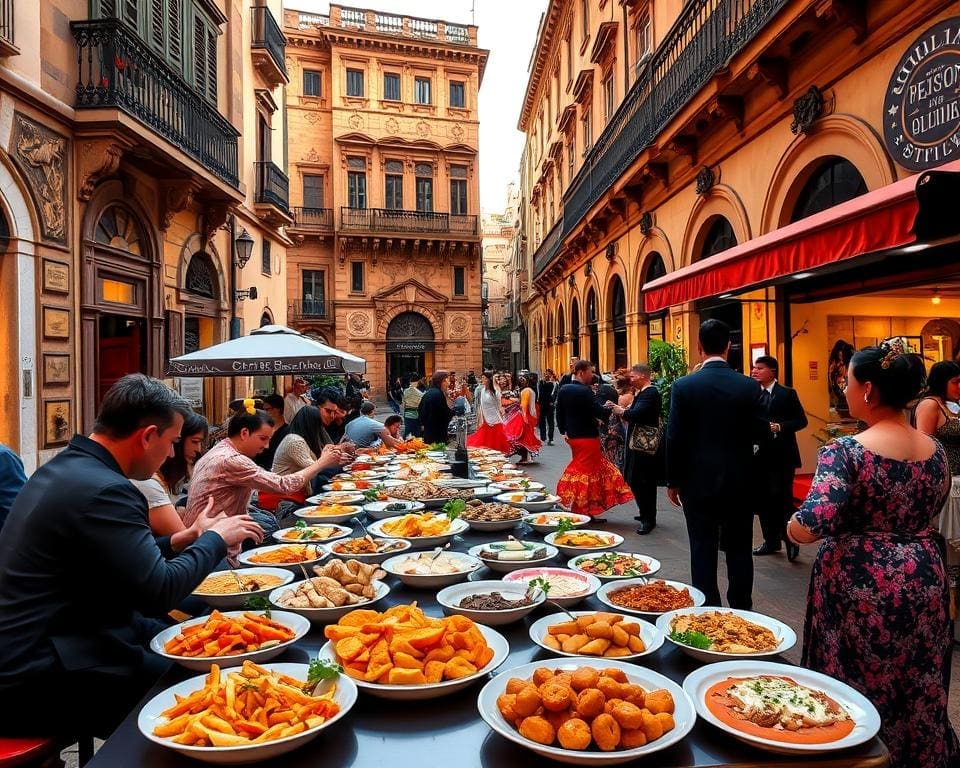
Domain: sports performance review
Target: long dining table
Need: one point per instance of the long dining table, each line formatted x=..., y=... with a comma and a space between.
x=449, y=731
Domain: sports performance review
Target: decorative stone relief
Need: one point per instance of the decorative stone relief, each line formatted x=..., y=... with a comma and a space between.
x=392, y=126
x=39, y=154
x=359, y=324
x=459, y=326
x=312, y=117
x=356, y=122
x=423, y=129
x=312, y=156
x=99, y=159
x=457, y=131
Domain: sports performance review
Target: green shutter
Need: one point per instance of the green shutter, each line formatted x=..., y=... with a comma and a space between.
x=158, y=19
x=212, y=35
x=175, y=30
x=199, y=55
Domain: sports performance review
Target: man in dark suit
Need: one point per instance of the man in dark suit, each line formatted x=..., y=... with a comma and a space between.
x=777, y=456
x=567, y=378
x=714, y=424
x=547, y=400
x=434, y=409
x=80, y=569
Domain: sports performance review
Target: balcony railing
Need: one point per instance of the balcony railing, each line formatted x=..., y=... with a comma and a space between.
x=117, y=69
x=266, y=34
x=6, y=24
x=704, y=38
x=390, y=220
x=548, y=248
x=273, y=186
x=312, y=219
x=310, y=309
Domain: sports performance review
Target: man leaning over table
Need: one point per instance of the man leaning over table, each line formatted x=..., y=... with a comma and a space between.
x=80, y=568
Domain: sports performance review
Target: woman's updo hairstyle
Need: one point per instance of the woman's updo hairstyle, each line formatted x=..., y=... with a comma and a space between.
x=250, y=419
x=897, y=375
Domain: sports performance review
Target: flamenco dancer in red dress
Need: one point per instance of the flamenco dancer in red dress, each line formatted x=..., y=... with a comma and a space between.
x=590, y=484
x=490, y=432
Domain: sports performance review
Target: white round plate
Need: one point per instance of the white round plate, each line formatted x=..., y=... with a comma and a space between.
x=785, y=634
x=237, y=599
x=496, y=641
x=338, y=533
x=460, y=482
x=151, y=716
x=651, y=636
x=493, y=525
x=377, y=510
x=590, y=583
x=522, y=499
x=614, y=539
x=455, y=528
x=603, y=595
x=863, y=713
x=336, y=497
x=652, y=564
x=361, y=474
x=684, y=715
x=518, y=485
x=431, y=580
x=552, y=518
x=244, y=557
x=327, y=615
x=396, y=547
x=450, y=597
x=486, y=492
x=310, y=514
x=298, y=624
x=505, y=566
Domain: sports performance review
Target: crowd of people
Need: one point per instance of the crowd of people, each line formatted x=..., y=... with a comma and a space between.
x=138, y=510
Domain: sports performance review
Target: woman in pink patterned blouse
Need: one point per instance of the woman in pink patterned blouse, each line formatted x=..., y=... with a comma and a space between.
x=228, y=474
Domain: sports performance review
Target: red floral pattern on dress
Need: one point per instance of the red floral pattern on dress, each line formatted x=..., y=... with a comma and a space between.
x=877, y=610
x=590, y=485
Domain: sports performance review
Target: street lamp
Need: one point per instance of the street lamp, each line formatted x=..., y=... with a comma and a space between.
x=244, y=246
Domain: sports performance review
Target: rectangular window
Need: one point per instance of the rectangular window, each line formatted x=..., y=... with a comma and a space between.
x=569, y=45
x=587, y=132
x=355, y=82
x=571, y=152
x=457, y=94
x=421, y=90
x=391, y=86
x=424, y=195
x=609, y=97
x=458, y=197
x=266, y=265
x=312, y=190
x=459, y=281
x=313, y=286
x=356, y=189
x=393, y=192
x=584, y=19
x=311, y=82
x=356, y=277
x=644, y=42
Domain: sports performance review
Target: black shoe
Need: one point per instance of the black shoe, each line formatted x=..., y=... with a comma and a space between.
x=549, y=442
x=793, y=551
x=645, y=528
x=638, y=518
x=767, y=549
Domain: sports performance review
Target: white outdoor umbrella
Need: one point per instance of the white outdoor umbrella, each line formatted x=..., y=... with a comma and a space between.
x=273, y=350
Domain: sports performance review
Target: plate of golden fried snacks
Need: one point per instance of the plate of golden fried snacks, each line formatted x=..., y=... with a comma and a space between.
x=605, y=713
x=602, y=634
x=725, y=633
x=229, y=638
x=231, y=589
x=290, y=556
x=404, y=654
x=222, y=717
x=649, y=597
x=425, y=529
x=780, y=707
x=336, y=588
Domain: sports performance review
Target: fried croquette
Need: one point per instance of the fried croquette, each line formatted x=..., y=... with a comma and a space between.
x=590, y=702
x=634, y=694
x=557, y=696
x=515, y=685
x=541, y=675
x=527, y=702
x=506, y=704
x=659, y=701
x=652, y=726
x=574, y=734
x=617, y=674
x=610, y=688
x=584, y=677
x=605, y=732
x=632, y=739
x=627, y=715
x=537, y=729
x=667, y=721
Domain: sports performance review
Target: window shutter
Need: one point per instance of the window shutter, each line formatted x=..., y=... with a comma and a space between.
x=107, y=9
x=175, y=31
x=174, y=333
x=131, y=13
x=212, y=65
x=157, y=19
x=199, y=56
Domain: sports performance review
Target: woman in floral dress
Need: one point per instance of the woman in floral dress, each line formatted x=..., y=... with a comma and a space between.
x=877, y=611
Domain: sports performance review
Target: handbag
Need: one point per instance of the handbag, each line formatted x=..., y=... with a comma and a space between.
x=646, y=439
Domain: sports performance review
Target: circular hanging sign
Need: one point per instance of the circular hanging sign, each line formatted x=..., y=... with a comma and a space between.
x=921, y=125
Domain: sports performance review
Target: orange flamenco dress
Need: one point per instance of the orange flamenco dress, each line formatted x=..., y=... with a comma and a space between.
x=590, y=485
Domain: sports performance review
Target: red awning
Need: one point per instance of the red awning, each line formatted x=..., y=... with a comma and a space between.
x=873, y=222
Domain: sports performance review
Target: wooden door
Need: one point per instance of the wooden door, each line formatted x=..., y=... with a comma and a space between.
x=118, y=356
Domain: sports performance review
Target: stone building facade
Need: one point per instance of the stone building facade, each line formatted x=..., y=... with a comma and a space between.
x=384, y=165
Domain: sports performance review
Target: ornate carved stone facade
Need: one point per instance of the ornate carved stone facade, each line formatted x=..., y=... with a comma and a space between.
x=41, y=156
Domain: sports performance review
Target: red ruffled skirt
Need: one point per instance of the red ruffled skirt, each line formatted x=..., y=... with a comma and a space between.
x=522, y=433
x=590, y=485
x=490, y=436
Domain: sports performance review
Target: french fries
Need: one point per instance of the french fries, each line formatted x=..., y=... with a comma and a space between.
x=225, y=636
x=246, y=707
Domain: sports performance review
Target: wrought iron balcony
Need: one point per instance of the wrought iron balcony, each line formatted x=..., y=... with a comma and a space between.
x=8, y=46
x=548, y=248
x=268, y=44
x=310, y=309
x=312, y=219
x=273, y=187
x=703, y=39
x=414, y=222
x=117, y=69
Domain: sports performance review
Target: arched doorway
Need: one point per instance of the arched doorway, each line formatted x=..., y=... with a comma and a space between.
x=575, y=329
x=835, y=181
x=618, y=320
x=655, y=321
x=561, y=329
x=410, y=345
x=200, y=294
x=593, y=330
x=121, y=332
x=721, y=237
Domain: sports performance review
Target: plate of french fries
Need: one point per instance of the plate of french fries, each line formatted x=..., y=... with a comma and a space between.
x=221, y=717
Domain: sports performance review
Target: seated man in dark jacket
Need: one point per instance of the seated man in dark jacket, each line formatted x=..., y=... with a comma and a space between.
x=79, y=569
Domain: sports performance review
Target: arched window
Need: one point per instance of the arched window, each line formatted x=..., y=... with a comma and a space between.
x=549, y=341
x=720, y=237
x=575, y=328
x=410, y=325
x=593, y=332
x=265, y=319
x=118, y=229
x=618, y=318
x=655, y=269
x=201, y=277
x=835, y=181
x=561, y=325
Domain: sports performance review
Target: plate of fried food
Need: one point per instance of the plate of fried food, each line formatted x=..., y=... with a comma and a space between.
x=581, y=541
x=727, y=633
x=573, y=712
x=180, y=718
x=423, y=530
x=328, y=513
x=229, y=638
x=367, y=549
x=491, y=516
x=361, y=474
x=231, y=589
x=649, y=597
x=403, y=654
x=304, y=533
x=782, y=708
x=290, y=556
x=603, y=634
x=336, y=497
x=337, y=587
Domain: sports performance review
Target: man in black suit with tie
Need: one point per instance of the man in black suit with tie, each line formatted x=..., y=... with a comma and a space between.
x=777, y=456
x=714, y=424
